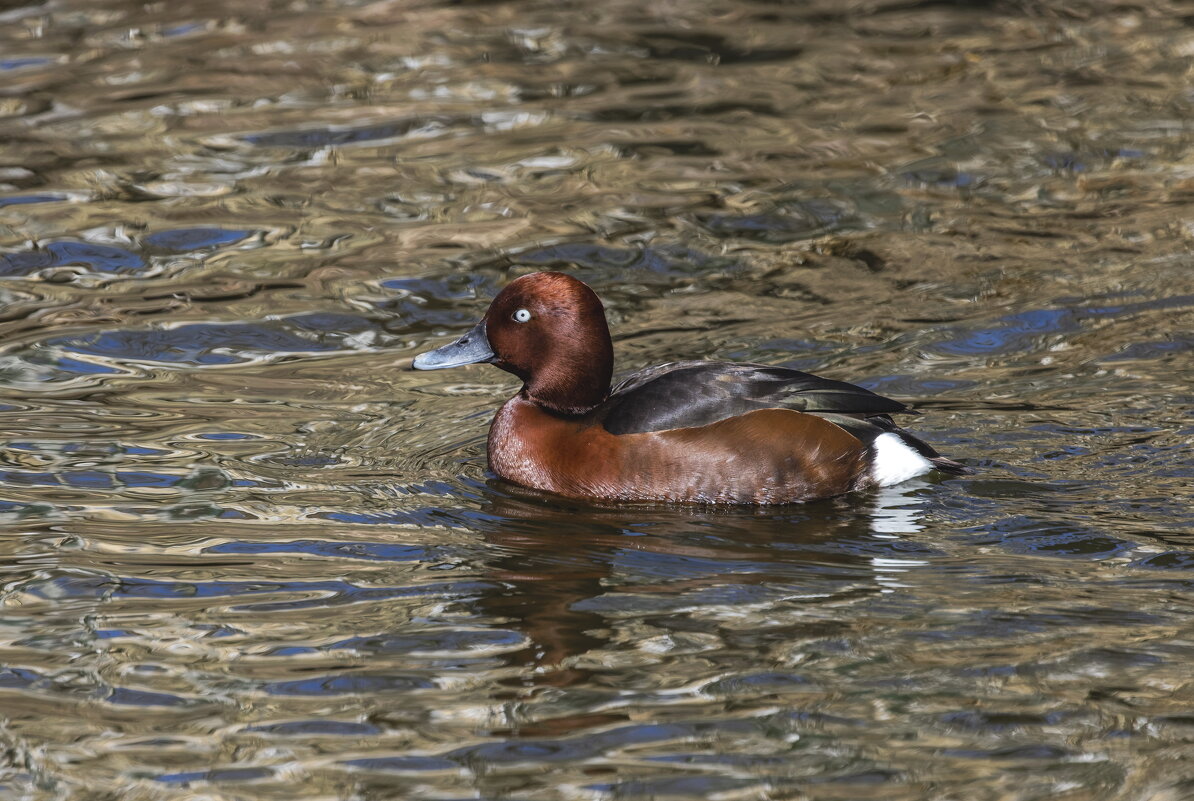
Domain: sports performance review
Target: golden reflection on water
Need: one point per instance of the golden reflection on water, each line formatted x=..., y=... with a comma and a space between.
x=248, y=555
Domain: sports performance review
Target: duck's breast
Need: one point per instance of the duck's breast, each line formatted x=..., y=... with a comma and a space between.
x=541, y=450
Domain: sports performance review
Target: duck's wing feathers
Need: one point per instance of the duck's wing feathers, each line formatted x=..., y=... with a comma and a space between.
x=691, y=394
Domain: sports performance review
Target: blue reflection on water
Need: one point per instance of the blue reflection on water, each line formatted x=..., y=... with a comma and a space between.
x=404, y=764
x=1010, y=332
x=1015, y=332
x=85, y=368
x=111, y=634
x=183, y=240
x=352, y=550
x=329, y=592
x=98, y=258
x=88, y=478
x=216, y=343
x=28, y=200
x=23, y=62
x=183, y=29
x=108, y=259
x=126, y=697
x=95, y=479
x=352, y=683
x=19, y=678
x=90, y=448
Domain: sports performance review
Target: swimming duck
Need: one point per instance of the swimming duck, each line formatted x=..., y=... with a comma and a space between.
x=692, y=431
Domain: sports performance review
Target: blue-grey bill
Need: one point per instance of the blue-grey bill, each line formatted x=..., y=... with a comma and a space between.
x=471, y=348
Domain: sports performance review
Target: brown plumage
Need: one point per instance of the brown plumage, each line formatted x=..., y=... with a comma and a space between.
x=750, y=458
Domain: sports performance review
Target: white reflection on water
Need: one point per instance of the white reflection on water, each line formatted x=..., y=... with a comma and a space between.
x=898, y=509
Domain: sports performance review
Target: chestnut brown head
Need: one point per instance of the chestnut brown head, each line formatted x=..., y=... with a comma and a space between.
x=548, y=329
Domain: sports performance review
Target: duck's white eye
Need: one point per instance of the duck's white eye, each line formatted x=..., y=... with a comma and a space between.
x=521, y=316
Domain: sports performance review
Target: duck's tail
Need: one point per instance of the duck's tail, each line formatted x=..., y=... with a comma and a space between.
x=950, y=466
x=939, y=462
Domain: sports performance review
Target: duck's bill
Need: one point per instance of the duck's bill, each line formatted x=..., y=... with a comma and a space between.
x=471, y=348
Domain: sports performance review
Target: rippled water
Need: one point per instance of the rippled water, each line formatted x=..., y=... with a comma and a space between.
x=248, y=555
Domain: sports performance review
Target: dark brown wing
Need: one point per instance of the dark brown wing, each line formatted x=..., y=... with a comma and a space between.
x=691, y=394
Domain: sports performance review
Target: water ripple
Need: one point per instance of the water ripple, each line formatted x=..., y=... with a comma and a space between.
x=248, y=553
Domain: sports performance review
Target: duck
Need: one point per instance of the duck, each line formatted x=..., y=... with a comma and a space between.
x=696, y=432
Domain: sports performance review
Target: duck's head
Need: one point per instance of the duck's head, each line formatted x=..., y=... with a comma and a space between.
x=548, y=329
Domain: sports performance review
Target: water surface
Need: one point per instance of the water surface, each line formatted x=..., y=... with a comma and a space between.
x=247, y=555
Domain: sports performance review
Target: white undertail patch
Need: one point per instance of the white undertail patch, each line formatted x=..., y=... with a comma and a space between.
x=894, y=461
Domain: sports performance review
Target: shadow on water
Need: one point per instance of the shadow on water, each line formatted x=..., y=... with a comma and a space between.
x=548, y=560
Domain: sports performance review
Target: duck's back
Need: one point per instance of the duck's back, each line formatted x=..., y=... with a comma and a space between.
x=693, y=394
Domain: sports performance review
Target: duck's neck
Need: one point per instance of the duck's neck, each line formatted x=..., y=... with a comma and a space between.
x=575, y=380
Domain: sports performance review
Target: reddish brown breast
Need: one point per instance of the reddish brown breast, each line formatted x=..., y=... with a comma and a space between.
x=764, y=456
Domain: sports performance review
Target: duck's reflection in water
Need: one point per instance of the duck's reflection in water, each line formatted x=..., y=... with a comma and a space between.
x=552, y=557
